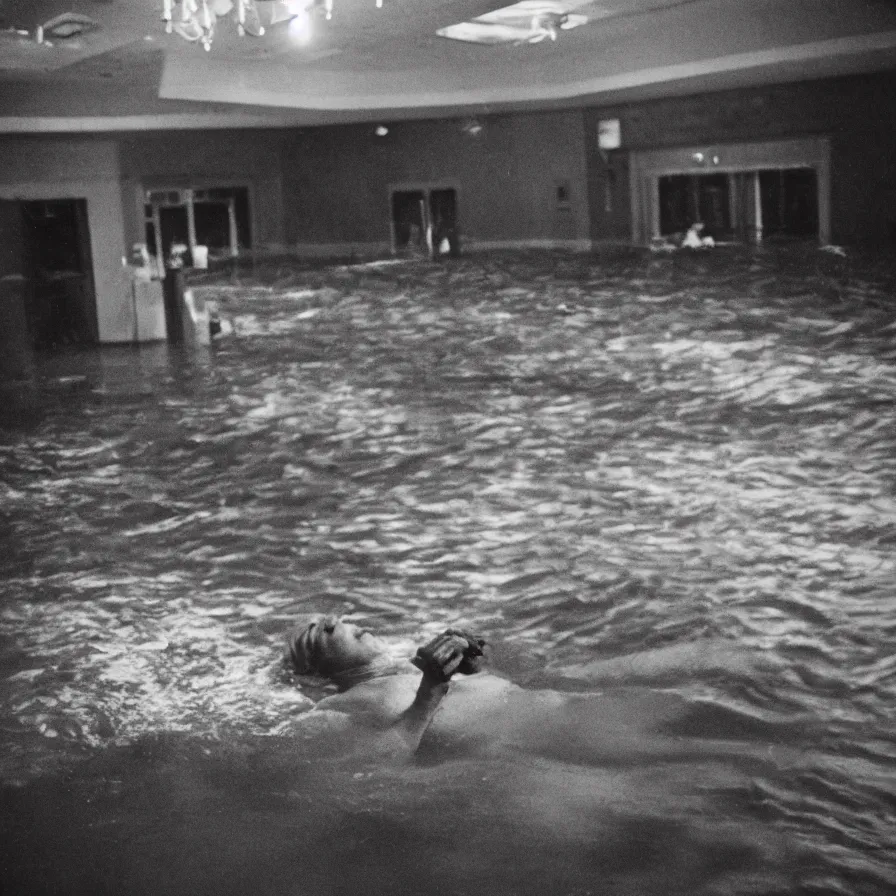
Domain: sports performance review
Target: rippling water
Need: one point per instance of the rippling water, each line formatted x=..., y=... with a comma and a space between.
x=581, y=457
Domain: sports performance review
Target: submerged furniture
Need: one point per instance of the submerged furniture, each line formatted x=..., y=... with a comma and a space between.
x=149, y=310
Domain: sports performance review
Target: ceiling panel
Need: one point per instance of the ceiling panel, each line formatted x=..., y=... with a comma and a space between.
x=367, y=61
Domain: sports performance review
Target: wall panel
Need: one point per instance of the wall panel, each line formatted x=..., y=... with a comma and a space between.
x=252, y=158
x=337, y=179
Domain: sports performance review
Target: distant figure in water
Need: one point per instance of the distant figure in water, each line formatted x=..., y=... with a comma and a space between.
x=443, y=709
x=695, y=238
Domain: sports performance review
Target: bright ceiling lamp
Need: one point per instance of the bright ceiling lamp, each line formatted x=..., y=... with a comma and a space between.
x=301, y=26
x=287, y=10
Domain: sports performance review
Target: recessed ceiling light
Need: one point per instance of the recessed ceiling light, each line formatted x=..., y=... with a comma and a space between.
x=67, y=25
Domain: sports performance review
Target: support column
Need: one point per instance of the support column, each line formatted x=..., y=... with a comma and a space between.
x=757, y=206
x=231, y=221
x=191, y=221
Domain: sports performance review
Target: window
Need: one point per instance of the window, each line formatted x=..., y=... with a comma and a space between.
x=216, y=217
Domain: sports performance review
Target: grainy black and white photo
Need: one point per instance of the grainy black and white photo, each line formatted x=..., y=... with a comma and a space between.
x=447, y=447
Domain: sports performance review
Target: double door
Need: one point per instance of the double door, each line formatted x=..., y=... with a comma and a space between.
x=744, y=192
x=424, y=221
x=744, y=206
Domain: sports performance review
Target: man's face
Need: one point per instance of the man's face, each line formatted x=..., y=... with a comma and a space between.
x=342, y=645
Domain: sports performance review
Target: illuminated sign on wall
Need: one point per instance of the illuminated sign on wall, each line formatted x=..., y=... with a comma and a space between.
x=609, y=134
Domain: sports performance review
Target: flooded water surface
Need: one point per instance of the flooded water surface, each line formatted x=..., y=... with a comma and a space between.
x=580, y=457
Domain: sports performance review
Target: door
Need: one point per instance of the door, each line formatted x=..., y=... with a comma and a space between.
x=61, y=304
x=175, y=228
x=424, y=221
x=789, y=199
x=15, y=338
x=687, y=199
x=410, y=221
x=443, y=215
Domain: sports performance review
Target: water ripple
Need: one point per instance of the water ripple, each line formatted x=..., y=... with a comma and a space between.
x=582, y=458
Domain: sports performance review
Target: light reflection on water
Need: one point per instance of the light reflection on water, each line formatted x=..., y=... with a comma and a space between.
x=581, y=459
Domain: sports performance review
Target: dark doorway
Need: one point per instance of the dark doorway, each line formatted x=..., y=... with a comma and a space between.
x=443, y=213
x=789, y=202
x=222, y=219
x=60, y=297
x=16, y=349
x=726, y=204
x=676, y=212
x=174, y=228
x=425, y=221
x=409, y=221
x=686, y=199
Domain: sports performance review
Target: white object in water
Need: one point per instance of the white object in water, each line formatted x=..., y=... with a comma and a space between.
x=149, y=309
x=693, y=239
x=198, y=312
x=200, y=257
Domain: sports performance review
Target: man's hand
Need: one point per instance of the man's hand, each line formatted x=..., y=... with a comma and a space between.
x=453, y=651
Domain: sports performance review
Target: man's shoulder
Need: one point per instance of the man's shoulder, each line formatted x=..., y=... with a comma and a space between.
x=385, y=697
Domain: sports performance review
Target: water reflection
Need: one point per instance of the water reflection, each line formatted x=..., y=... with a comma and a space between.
x=579, y=457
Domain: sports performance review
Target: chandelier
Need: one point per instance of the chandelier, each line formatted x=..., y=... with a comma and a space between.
x=196, y=20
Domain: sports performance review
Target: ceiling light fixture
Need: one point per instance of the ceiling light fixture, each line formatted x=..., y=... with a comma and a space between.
x=547, y=24
x=66, y=27
x=196, y=20
x=69, y=24
x=472, y=127
x=301, y=27
x=523, y=22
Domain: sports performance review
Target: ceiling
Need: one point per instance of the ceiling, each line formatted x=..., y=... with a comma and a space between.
x=372, y=64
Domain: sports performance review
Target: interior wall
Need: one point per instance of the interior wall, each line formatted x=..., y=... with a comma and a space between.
x=179, y=159
x=337, y=180
x=79, y=168
x=856, y=113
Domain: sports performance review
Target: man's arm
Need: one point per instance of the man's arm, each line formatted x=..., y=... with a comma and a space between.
x=673, y=663
x=453, y=651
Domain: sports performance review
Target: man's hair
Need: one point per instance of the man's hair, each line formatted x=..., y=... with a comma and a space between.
x=302, y=648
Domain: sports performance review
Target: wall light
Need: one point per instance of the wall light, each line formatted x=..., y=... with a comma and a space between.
x=472, y=127
x=381, y=130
